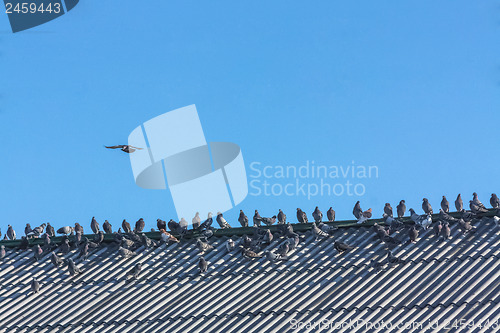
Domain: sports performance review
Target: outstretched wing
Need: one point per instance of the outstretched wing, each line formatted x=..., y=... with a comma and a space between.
x=115, y=147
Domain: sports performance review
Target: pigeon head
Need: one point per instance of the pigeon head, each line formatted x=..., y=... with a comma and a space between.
x=425, y=200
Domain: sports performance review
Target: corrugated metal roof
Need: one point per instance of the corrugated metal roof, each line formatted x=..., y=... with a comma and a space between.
x=449, y=280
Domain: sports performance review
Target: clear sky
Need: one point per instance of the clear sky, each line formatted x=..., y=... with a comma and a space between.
x=412, y=88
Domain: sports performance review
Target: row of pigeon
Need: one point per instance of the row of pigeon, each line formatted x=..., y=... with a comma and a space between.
x=250, y=246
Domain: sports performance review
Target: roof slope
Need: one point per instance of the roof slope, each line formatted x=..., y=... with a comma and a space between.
x=448, y=280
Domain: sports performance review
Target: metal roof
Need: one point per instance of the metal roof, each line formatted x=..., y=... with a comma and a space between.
x=315, y=290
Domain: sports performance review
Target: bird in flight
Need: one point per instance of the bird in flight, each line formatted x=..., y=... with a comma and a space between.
x=126, y=148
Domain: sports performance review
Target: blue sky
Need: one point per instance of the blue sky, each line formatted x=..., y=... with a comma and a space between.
x=412, y=88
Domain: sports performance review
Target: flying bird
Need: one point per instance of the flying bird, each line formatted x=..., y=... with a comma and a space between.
x=426, y=206
x=126, y=148
x=317, y=215
x=445, y=205
x=459, y=204
x=401, y=208
x=388, y=209
x=330, y=214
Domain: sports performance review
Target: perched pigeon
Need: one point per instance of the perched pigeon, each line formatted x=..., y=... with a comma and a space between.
x=268, y=237
x=167, y=237
x=222, y=221
x=317, y=232
x=50, y=230
x=161, y=224
x=378, y=266
x=465, y=227
x=35, y=285
x=256, y=219
x=281, y=217
x=72, y=268
x=415, y=217
x=301, y=216
x=196, y=221
x=203, y=246
x=342, y=247
x=413, y=233
x=445, y=205
x=243, y=219
x=357, y=211
x=106, y=226
x=147, y=242
x=202, y=265
x=183, y=223
x=11, y=233
x=126, y=226
x=208, y=222
x=293, y=242
x=84, y=251
x=125, y=253
x=445, y=230
x=401, y=209
x=66, y=230
x=459, y=205
x=327, y=228
x=368, y=213
x=268, y=220
x=99, y=237
x=207, y=233
x=380, y=231
x=284, y=248
x=25, y=243
x=477, y=209
x=65, y=246
x=247, y=253
x=78, y=228
x=55, y=260
x=139, y=225
x=273, y=257
x=446, y=217
x=39, y=230
x=94, y=225
x=426, y=206
x=437, y=228
x=317, y=215
x=37, y=252
x=388, y=209
x=27, y=229
x=330, y=214
x=494, y=201
x=392, y=260
x=426, y=222
x=2, y=251
x=229, y=245
x=135, y=271
x=476, y=200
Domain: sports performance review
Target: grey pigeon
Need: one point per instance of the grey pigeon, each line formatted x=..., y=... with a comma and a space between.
x=317, y=232
x=135, y=271
x=94, y=225
x=477, y=209
x=37, y=252
x=243, y=219
x=67, y=230
x=293, y=242
x=139, y=225
x=39, y=230
x=106, y=226
x=147, y=242
x=222, y=221
x=446, y=217
x=202, y=265
x=327, y=228
x=35, y=285
x=50, y=230
x=392, y=260
x=330, y=214
x=196, y=220
x=125, y=148
x=126, y=253
x=281, y=217
x=268, y=220
x=273, y=257
x=413, y=233
x=378, y=266
x=465, y=227
x=162, y=225
x=342, y=247
x=301, y=216
x=126, y=226
x=56, y=261
x=78, y=228
x=494, y=201
x=65, y=246
x=268, y=237
x=388, y=209
x=11, y=233
x=203, y=246
x=84, y=251
x=284, y=248
x=437, y=228
x=27, y=229
x=476, y=200
x=317, y=215
x=99, y=237
x=247, y=253
x=459, y=204
x=445, y=230
x=445, y=205
x=25, y=243
x=72, y=268
x=401, y=208
x=256, y=219
x=229, y=245
x=426, y=206
x=357, y=211
x=208, y=222
x=2, y=251
x=183, y=224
